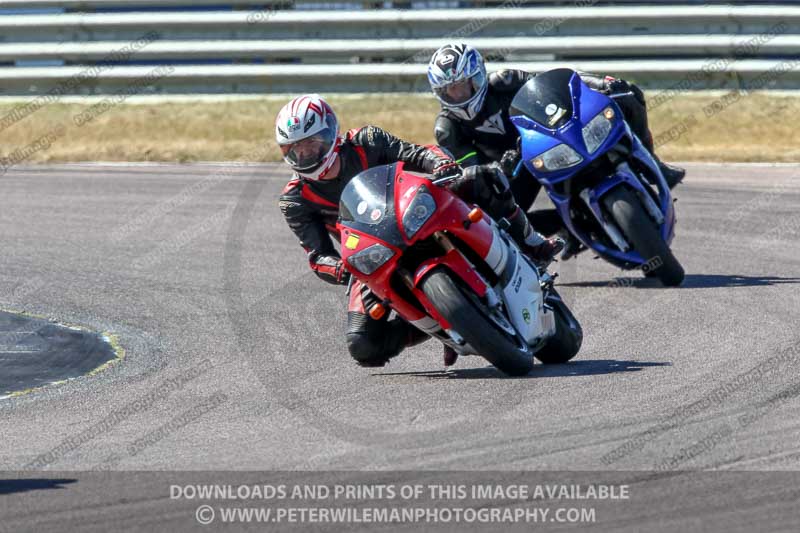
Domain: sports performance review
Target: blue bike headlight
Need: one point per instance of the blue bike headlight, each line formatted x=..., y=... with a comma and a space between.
x=556, y=158
x=419, y=211
x=370, y=259
x=596, y=131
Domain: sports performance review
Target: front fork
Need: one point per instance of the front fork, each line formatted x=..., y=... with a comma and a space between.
x=626, y=175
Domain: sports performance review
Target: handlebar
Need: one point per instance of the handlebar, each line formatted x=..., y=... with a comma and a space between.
x=441, y=182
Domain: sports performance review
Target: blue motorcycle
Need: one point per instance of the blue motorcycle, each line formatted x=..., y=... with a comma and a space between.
x=604, y=183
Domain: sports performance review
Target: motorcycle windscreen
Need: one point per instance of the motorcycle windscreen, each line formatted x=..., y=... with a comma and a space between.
x=546, y=99
x=364, y=198
x=367, y=204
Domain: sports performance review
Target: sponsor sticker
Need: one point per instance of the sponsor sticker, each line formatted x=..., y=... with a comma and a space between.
x=526, y=315
x=352, y=242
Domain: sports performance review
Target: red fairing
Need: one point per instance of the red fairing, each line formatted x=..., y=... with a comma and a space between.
x=450, y=215
x=379, y=281
x=479, y=235
x=458, y=264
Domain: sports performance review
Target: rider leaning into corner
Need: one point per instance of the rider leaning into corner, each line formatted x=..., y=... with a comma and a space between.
x=323, y=162
x=474, y=123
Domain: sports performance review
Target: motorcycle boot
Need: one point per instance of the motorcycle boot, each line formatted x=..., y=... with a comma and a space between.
x=673, y=175
x=539, y=249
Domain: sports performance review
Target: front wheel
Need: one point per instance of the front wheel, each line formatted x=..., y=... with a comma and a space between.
x=470, y=319
x=643, y=235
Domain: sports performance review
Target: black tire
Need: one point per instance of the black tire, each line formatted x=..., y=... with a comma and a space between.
x=566, y=342
x=642, y=233
x=496, y=346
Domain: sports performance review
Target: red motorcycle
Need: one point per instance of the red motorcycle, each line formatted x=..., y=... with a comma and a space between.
x=451, y=271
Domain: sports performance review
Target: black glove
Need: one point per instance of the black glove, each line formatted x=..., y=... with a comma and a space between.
x=446, y=169
x=465, y=182
x=482, y=181
x=617, y=86
x=509, y=162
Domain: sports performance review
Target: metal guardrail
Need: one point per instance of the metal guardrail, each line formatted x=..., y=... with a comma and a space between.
x=659, y=46
x=214, y=79
x=600, y=14
x=402, y=24
x=333, y=49
x=94, y=5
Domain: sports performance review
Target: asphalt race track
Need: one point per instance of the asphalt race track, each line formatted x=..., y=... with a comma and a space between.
x=235, y=356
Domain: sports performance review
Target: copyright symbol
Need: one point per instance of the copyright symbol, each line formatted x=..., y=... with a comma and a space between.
x=204, y=514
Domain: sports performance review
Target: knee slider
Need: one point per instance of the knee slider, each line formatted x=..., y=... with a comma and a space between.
x=364, y=350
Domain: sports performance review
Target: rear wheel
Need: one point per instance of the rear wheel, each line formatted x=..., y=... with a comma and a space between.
x=643, y=235
x=470, y=318
x=566, y=341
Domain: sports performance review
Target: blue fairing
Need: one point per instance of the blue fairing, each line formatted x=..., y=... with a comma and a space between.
x=536, y=139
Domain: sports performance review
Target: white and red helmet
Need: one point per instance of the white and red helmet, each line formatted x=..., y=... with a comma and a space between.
x=308, y=135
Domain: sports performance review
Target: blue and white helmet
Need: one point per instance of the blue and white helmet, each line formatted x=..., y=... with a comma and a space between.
x=458, y=79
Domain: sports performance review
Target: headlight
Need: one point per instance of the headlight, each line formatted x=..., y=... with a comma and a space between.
x=419, y=211
x=597, y=130
x=370, y=259
x=557, y=158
